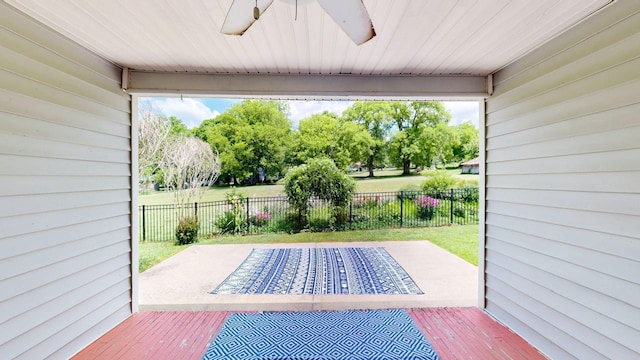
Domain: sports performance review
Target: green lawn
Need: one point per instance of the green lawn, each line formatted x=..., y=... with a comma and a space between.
x=461, y=240
x=216, y=193
x=384, y=181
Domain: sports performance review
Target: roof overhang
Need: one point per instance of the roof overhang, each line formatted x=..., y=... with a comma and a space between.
x=423, y=49
x=304, y=87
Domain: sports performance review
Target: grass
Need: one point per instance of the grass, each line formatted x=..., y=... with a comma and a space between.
x=216, y=193
x=151, y=254
x=388, y=182
x=384, y=181
x=461, y=240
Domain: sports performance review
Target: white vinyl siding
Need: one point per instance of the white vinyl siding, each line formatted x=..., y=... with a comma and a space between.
x=563, y=191
x=65, y=193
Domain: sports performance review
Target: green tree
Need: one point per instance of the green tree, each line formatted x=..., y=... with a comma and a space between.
x=178, y=127
x=252, y=138
x=411, y=120
x=468, y=145
x=438, y=143
x=405, y=150
x=319, y=178
x=438, y=183
x=326, y=135
x=374, y=117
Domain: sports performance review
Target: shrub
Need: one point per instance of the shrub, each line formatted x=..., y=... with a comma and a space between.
x=234, y=220
x=469, y=194
x=459, y=211
x=231, y=222
x=470, y=183
x=389, y=213
x=426, y=206
x=288, y=223
x=318, y=178
x=360, y=218
x=320, y=224
x=260, y=218
x=438, y=183
x=340, y=216
x=187, y=230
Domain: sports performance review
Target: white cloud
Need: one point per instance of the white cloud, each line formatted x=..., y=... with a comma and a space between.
x=191, y=111
x=462, y=111
x=299, y=110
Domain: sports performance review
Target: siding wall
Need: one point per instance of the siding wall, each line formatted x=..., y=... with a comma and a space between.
x=563, y=191
x=65, y=193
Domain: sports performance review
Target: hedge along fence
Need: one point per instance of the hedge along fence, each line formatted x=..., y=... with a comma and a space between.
x=259, y=215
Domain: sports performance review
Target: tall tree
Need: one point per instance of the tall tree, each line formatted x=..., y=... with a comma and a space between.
x=178, y=127
x=326, y=135
x=468, y=144
x=153, y=130
x=187, y=165
x=374, y=117
x=437, y=143
x=411, y=120
x=252, y=138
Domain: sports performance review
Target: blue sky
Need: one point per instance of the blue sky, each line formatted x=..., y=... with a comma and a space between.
x=192, y=111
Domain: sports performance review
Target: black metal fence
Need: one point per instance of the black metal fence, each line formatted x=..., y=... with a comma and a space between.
x=273, y=214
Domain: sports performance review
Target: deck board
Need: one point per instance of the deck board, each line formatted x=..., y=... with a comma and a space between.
x=455, y=333
x=468, y=333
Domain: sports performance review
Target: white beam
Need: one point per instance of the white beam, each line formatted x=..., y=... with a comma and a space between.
x=125, y=79
x=482, y=197
x=324, y=87
x=135, y=186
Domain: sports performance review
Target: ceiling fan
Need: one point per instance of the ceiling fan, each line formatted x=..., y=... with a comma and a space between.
x=350, y=15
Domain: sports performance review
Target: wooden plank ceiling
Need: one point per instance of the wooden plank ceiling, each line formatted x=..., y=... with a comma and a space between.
x=414, y=38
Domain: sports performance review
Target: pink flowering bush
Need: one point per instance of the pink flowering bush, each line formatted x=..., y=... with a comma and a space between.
x=261, y=218
x=426, y=206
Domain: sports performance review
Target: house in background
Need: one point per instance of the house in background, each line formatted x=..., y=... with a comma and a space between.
x=471, y=167
x=558, y=82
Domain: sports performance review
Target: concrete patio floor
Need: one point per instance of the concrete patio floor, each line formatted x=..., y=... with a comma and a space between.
x=184, y=281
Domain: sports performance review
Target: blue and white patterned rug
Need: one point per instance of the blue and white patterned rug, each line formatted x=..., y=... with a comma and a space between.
x=375, y=334
x=319, y=271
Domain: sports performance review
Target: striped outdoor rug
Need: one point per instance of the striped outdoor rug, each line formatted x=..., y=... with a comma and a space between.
x=374, y=334
x=319, y=271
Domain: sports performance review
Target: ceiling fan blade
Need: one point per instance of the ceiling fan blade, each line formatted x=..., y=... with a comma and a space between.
x=352, y=17
x=240, y=15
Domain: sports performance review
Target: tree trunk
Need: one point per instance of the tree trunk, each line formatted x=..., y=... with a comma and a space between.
x=370, y=165
x=406, y=167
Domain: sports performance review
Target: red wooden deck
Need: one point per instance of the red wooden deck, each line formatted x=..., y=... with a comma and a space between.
x=455, y=333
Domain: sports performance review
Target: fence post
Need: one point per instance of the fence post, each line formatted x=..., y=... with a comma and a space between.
x=248, y=215
x=401, y=206
x=144, y=229
x=451, y=207
x=195, y=209
x=351, y=215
